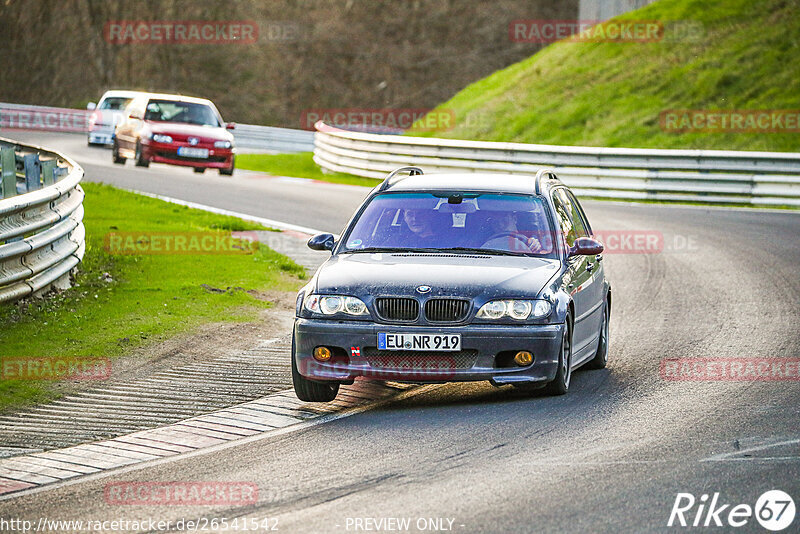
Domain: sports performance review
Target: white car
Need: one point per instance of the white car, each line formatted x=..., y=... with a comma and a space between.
x=107, y=114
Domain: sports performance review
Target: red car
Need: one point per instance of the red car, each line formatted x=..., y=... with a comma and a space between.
x=174, y=129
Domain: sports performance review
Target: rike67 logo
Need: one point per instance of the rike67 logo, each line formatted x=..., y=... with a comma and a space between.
x=774, y=510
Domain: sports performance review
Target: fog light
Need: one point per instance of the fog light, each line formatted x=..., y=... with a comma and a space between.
x=523, y=358
x=322, y=354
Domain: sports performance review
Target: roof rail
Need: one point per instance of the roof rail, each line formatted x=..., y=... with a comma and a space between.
x=543, y=173
x=387, y=182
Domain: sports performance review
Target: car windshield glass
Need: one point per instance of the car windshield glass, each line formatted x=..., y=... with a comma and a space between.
x=115, y=103
x=186, y=112
x=453, y=222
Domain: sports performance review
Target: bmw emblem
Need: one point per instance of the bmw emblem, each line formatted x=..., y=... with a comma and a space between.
x=193, y=140
x=423, y=289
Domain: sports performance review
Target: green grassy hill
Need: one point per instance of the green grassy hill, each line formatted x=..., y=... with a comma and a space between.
x=746, y=55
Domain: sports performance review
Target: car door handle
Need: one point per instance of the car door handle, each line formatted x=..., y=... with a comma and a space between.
x=599, y=257
x=589, y=266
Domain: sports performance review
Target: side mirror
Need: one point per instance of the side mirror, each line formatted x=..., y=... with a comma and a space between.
x=91, y=106
x=586, y=246
x=230, y=126
x=321, y=242
x=136, y=115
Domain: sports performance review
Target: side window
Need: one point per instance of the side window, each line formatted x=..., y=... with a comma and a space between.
x=563, y=217
x=569, y=216
x=579, y=215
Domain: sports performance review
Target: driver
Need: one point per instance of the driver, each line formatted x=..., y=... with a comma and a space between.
x=421, y=225
x=505, y=233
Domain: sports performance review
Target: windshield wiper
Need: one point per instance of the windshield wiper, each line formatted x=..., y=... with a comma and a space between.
x=384, y=249
x=486, y=251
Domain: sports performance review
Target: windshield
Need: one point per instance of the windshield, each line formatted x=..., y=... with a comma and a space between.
x=115, y=103
x=488, y=223
x=186, y=112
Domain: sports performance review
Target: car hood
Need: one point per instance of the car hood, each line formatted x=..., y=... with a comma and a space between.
x=447, y=275
x=182, y=129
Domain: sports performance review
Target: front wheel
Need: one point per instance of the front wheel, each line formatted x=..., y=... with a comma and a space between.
x=119, y=160
x=141, y=160
x=311, y=390
x=560, y=383
x=229, y=170
x=601, y=356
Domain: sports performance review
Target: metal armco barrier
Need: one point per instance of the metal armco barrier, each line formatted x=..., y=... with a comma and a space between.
x=42, y=238
x=246, y=136
x=250, y=136
x=709, y=176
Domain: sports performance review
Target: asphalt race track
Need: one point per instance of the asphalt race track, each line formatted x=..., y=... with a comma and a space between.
x=610, y=456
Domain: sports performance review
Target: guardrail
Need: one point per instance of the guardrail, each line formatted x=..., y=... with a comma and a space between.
x=42, y=238
x=708, y=176
x=246, y=136
x=251, y=136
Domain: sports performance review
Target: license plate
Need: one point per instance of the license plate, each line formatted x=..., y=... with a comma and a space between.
x=406, y=341
x=190, y=152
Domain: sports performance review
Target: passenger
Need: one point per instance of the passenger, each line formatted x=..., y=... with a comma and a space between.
x=506, y=236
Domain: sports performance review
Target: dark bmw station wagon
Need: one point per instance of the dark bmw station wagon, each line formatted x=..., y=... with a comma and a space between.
x=455, y=277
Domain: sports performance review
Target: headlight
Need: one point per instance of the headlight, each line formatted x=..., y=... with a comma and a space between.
x=161, y=138
x=333, y=304
x=516, y=309
x=222, y=144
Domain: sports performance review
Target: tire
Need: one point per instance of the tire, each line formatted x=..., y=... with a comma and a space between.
x=199, y=170
x=601, y=356
x=116, y=158
x=141, y=161
x=311, y=390
x=560, y=384
x=229, y=170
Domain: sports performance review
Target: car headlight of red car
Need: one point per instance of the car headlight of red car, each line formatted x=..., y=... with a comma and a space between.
x=161, y=138
x=222, y=144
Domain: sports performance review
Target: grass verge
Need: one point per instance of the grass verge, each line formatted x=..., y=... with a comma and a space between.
x=120, y=302
x=739, y=55
x=300, y=165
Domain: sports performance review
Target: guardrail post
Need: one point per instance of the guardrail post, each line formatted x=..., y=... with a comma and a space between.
x=8, y=167
x=49, y=172
x=33, y=172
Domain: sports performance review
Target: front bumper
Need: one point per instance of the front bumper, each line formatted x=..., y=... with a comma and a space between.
x=483, y=356
x=218, y=158
x=101, y=135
